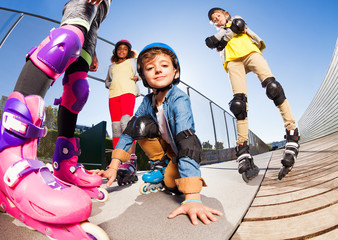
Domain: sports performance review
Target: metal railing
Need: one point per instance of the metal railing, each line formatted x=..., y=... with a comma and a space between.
x=215, y=127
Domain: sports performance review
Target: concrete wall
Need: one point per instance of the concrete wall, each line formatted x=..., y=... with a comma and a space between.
x=321, y=116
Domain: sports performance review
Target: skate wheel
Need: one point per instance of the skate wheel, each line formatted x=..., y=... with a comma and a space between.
x=104, y=195
x=152, y=190
x=119, y=181
x=93, y=231
x=144, y=188
x=245, y=178
x=250, y=174
x=282, y=172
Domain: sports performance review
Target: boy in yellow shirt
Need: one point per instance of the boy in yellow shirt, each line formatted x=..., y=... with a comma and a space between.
x=241, y=50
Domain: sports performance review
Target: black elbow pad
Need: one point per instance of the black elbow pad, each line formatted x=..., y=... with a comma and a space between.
x=188, y=145
x=237, y=26
x=211, y=42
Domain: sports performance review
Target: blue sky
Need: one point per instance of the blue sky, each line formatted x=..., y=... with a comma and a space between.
x=300, y=37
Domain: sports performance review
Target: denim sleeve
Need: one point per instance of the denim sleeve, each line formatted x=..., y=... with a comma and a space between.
x=125, y=142
x=188, y=168
x=183, y=114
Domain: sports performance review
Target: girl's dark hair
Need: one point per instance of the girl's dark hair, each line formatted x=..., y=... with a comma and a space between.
x=131, y=54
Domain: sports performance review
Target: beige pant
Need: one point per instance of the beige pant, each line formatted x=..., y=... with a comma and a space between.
x=237, y=70
x=155, y=148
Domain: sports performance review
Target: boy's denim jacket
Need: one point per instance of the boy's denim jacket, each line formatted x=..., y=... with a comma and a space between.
x=178, y=114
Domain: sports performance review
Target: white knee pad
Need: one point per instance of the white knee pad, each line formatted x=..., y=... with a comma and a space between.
x=124, y=121
x=117, y=130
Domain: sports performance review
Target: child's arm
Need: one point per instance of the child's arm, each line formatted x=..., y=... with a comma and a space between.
x=110, y=172
x=193, y=207
x=95, y=63
x=190, y=183
x=220, y=39
x=109, y=77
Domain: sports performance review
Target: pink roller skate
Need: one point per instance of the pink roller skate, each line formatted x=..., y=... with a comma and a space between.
x=67, y=169
x=28, y=190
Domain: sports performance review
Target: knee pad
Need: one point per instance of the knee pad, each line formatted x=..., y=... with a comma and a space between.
x=274, y=90
x=142, y=127
x=75, y=91
x=117, y=131
x=124, y=121
x=188, y=145
x=238, y=106
x=56, y=52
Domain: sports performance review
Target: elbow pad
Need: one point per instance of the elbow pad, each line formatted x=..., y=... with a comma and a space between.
x=237, y=25
x=221, y=45
x=188, y=145
x=211, y=42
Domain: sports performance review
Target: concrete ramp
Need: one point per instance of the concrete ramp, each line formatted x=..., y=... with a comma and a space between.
x=301, y=206
x=130, y=215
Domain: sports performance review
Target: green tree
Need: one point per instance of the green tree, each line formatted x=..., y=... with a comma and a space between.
x=206, y=145
x=219, y=146
x=51, y=118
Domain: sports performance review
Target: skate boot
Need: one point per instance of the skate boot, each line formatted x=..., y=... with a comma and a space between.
x=67, y=169
x=153, y=180
x=126, y=174
x=290, y=153
x=246, y=165
x=28, y=190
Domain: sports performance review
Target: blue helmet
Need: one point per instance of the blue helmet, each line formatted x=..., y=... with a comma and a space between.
x=158, y=45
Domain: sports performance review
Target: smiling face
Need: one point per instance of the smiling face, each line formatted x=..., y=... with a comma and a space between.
x=159, y=71
x=122, y=51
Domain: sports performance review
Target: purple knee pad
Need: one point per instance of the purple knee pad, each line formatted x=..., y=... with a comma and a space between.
x=55, y=53
x=75, y=91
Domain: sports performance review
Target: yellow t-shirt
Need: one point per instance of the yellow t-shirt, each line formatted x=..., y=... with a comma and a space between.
x=122, y=82
x=239, y=46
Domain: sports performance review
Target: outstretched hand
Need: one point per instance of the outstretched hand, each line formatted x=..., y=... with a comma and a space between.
x=196, y=211
x=110, y=173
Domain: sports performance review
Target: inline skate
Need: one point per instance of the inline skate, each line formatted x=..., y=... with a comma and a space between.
x=126, y=174
x=246, y=165
x=68, y=170
x=290, y=153
x=28, y=190
x=153, y=180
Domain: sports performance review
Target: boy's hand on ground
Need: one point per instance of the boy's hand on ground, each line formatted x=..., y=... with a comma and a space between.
x=110, y=173
x=195, y=211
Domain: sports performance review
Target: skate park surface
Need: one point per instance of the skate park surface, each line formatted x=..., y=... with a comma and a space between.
x=303, y=205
